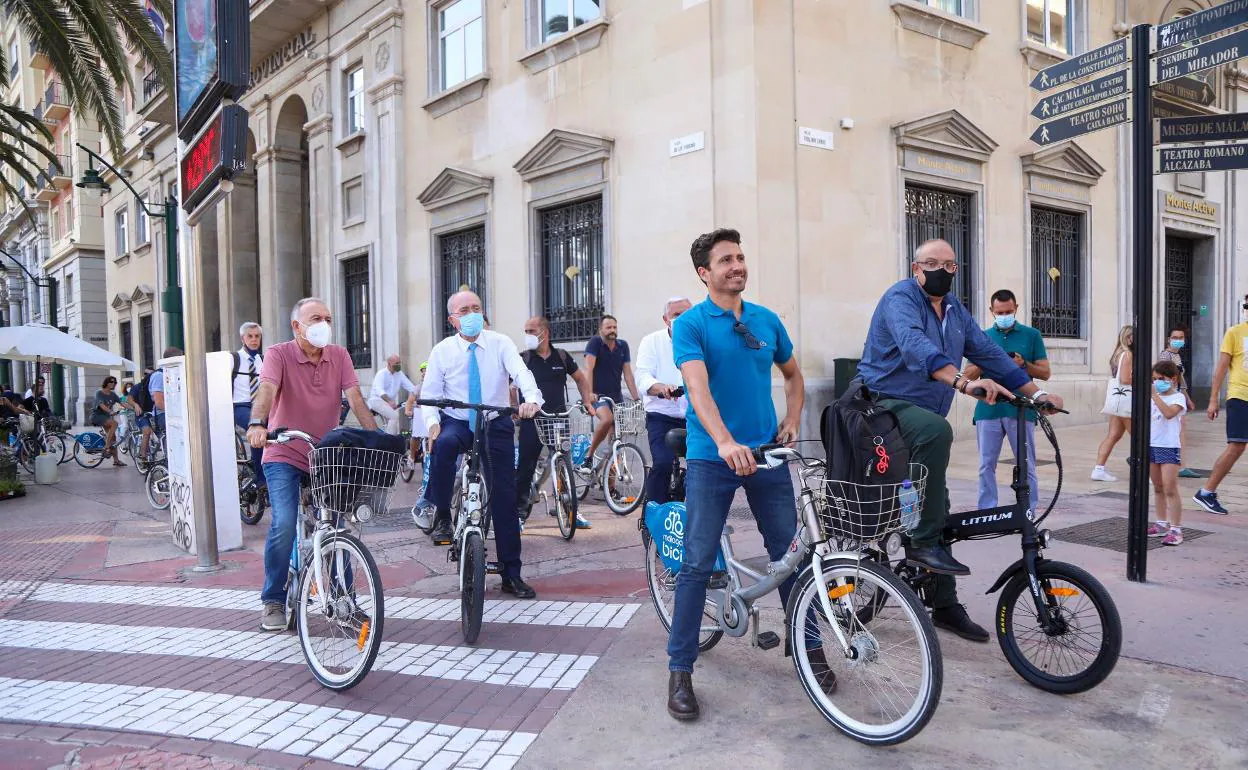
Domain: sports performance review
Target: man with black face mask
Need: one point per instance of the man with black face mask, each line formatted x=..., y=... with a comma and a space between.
x=918, y=337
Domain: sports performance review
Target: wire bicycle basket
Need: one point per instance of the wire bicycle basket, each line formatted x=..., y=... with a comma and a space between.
x=554, y=432
x=354, y=482
x=864, y=513
x=630, y=419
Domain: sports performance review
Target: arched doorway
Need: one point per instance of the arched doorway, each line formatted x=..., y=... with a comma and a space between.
x=292, y=233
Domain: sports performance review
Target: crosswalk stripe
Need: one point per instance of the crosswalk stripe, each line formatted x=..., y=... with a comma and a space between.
x=546, y=613
x=322, y=732
x=542, y=670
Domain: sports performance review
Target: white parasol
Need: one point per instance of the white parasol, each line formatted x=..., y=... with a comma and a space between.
x=40, y=342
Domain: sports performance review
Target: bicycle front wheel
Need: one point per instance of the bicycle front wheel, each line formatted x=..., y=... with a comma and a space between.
x=884, y=687
x=565, y=497
x=472, y=596
x=156, y=484
x=624, y=481
x=662, y=583
x=250, y=506
x=54, y=445
x=1081, y=646
x=340, y=639
x=407, y=467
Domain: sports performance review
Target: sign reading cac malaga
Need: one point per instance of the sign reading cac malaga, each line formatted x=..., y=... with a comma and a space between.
x=213, y=57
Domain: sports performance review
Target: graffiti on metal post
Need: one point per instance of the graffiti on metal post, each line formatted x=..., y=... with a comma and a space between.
x=182, y=513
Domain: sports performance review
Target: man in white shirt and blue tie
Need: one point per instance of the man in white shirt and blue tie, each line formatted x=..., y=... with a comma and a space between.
x=475, y=366
x=248, y=363
x=658, y=378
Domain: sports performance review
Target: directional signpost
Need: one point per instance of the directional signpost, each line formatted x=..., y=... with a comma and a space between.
x=1112, y=55
x=1189, y=61
x=1082, y=96
x=1209, y=157
x=1217, y=19
x=1080, y=123
x=1203, y=128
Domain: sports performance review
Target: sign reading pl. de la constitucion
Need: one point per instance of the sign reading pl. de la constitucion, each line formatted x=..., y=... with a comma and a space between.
x=1108, y=55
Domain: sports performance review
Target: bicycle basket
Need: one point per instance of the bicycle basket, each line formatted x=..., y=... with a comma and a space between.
x=630, y=419
x=352, y=481
x=863, y=513
x=555, y=432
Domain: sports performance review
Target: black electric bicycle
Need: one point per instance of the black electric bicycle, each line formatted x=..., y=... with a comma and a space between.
x=1055, y=622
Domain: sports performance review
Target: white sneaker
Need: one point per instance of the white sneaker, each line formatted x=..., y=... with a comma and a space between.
x=1100, y=474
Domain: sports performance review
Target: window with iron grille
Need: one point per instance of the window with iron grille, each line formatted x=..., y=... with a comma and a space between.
x=1056, y=272
x=355, y=288
x=127, y=341
x=573, y=269
x=146, y=341
x=935, y=213
x=462, y=258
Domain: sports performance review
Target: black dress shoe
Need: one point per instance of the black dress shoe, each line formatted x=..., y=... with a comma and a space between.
x=935, y=558
x=956, y=620
x=442, y=533
x=682, y=704
x=518, y=588
x=825, y=676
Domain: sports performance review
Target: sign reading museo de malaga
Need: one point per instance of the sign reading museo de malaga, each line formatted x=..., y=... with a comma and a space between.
x=213, y=56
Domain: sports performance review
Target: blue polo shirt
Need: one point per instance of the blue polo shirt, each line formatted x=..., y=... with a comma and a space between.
x=739, y=378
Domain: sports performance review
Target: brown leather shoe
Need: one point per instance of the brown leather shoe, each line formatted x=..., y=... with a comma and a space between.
x=682, y=704
x=824, y=675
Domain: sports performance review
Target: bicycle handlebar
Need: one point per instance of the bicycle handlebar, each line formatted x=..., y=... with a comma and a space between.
x=1020, y=401
x=286, y=435
x=446, y=403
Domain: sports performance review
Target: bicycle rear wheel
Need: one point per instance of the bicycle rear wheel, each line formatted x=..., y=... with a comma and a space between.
x=156, y=485
x=472, y=595
x=341, y=641
x=28, y=449
x=565, y=497
x=624, y=480
x=1083, y=646
x=662, y=583
x=54, y=445
x=886, y=686
x=89, y=450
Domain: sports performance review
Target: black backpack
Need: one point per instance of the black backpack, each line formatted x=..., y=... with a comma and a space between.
x=863, y=439
x=141, y=395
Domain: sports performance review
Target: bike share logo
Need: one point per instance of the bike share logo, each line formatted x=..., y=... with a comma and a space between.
x=673, y=544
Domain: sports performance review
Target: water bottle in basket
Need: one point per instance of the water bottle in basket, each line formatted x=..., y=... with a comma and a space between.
x=908, y=501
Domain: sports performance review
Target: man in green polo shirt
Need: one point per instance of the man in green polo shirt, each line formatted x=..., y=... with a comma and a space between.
x=993, y=423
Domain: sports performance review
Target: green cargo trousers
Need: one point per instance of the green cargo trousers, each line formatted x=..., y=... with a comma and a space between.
x=930, y=439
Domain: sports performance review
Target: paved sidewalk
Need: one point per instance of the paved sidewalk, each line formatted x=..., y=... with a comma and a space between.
x=114, y=653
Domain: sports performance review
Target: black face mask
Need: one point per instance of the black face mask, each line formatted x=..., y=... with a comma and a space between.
x=937, y=282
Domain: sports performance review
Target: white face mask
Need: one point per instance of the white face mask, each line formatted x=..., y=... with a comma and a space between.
x=318, y=334
x=531, y=342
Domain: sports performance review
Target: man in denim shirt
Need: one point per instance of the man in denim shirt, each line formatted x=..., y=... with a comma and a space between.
x=917, y=340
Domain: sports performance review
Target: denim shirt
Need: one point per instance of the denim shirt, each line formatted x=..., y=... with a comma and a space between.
x=907, y=343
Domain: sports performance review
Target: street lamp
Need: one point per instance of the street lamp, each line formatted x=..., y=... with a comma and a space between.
x=58, y=402
x=92, y=184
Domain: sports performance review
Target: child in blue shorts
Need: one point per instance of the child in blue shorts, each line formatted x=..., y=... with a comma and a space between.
x=1165, y=431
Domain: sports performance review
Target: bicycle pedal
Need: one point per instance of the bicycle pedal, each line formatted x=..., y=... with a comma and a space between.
x=768, y=640
x=718, y=580
x=451, y=553
x=493, y=568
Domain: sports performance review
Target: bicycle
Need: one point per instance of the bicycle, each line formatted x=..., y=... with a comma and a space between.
x=51, y=437
x=345, y=485
x=407, y=463
x=156, y=485
x=155, y=448
x=622, y=476
x=1060, y=593
x=836, y=525
x=555, y=432
x=471, y=514
x=89, y=449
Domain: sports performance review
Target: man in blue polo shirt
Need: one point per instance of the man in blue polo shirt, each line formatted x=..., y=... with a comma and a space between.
x=917, y=339
x=725, y=348
x=997, y=423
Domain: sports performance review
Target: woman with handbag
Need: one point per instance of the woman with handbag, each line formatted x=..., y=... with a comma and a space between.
x=1117, y=401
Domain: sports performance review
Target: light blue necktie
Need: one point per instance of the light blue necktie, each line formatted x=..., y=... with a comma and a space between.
x=474, y=383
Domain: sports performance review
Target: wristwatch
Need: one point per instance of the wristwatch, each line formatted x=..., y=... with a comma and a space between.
x=254, y=422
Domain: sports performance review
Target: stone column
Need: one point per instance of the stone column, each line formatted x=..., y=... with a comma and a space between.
x=320, y=203
x=387, y=185
x=17, y=293
x=237, y=253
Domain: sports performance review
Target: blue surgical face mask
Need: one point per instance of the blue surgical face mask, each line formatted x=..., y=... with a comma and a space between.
x=471, y=324
x=1004, y=321
x=1163, y=386
x=1177, y=344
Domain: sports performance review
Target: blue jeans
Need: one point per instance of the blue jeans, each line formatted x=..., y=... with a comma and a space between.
x=242, y=416
x=499, y=469
x=990, y=434
x=284, y=480
x=663, y=459
x=710, y=487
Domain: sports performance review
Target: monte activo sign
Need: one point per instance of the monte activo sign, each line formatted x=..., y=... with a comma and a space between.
x=218, y=153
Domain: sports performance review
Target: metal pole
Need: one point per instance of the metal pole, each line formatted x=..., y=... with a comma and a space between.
x=171, y=300
x=58, y=371
x=203, y=497
x=1142, y=245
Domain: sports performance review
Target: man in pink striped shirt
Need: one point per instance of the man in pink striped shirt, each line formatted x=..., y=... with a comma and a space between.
x=301, y=387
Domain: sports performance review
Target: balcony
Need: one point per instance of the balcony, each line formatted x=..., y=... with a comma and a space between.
x=55, y=105
x=38, y=59
x=274, y=22
x=63, y=177
x=45, y=190
x=156, y=105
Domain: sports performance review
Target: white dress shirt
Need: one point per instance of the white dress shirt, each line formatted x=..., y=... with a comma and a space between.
x=498, y=361
x=242, y=383
x=387, y=383
x=657, y=365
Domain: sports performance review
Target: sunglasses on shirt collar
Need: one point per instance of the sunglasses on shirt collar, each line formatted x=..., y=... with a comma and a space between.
x=751, y=342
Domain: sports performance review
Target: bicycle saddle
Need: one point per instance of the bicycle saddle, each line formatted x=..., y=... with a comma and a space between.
x=675, y=439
